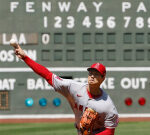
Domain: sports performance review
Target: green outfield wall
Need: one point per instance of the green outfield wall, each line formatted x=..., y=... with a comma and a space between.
x=67, y=37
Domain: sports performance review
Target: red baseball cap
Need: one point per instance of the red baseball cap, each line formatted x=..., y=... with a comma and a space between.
x=99, y=67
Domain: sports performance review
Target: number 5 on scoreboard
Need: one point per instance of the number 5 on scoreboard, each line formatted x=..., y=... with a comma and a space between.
x=99, y=22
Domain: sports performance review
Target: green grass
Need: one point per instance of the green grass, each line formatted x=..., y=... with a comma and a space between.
x=124, y=128
x=133, y=128
x=37, y=129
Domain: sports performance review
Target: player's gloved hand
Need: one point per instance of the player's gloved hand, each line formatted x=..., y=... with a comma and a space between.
x=87, y=121
x=18, y=51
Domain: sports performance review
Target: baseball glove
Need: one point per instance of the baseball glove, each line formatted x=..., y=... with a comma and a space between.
x=87, y=121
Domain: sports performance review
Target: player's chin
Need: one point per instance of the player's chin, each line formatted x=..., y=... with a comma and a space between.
x=91, y=83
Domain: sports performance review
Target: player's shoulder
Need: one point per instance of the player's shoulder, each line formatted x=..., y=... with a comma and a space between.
x=107, y=101
x=105, y=97
x=110, y=106
x=77, y=87
x=72, y=81
x=77, y=84
x=108, y=98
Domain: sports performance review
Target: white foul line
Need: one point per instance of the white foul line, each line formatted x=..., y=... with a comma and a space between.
x=59, y=116
x=75, y=69
x=36, y=116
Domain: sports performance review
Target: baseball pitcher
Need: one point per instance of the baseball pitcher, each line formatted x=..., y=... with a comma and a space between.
x=95, y=113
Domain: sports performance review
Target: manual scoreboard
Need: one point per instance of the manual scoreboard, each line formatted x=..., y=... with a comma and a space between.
x=67, y=36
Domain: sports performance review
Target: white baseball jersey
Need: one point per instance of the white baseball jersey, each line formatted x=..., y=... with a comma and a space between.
x=79, y=99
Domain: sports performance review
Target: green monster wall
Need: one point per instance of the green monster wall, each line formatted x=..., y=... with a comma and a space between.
x=68, y=36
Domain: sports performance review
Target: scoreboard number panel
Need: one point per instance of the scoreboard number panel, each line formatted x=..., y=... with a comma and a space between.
x=100, y=14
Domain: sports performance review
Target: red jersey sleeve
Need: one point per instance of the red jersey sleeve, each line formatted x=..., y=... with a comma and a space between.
x=39, y=69
x=107, y=131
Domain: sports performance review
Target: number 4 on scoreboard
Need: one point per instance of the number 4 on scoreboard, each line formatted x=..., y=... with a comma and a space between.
x=86, y=22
